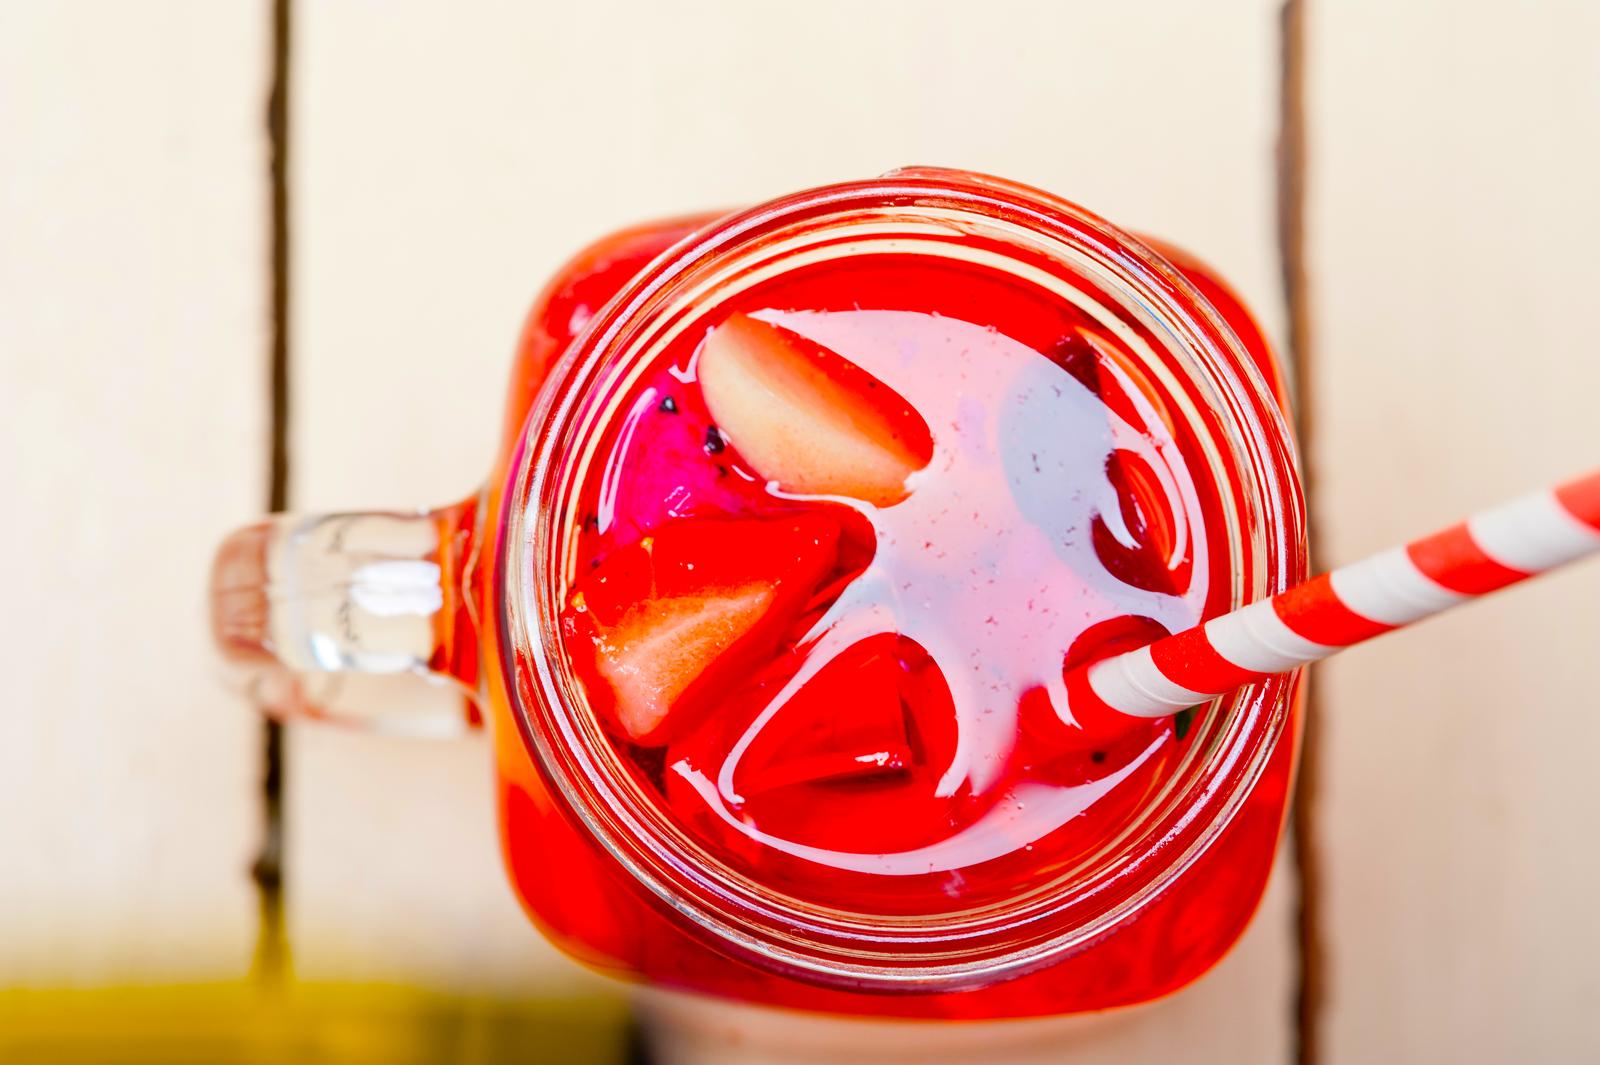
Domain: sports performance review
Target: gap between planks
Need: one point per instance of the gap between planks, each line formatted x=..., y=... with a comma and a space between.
x=271, y=963
x=1292, y=167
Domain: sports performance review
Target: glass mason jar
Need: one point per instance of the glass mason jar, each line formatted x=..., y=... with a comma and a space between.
x=332, y=615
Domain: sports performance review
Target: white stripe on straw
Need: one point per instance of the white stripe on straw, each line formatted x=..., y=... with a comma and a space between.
x=1397, y=587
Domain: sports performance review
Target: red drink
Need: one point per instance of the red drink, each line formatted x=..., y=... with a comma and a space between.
x=803, y=520
x=797, y=563
x=857, y=702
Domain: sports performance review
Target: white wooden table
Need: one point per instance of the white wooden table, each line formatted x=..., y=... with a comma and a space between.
x=445, y=158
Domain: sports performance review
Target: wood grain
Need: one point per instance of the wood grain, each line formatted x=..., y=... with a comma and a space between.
x=447, y=160
x=131, y=254
x=1453, y=213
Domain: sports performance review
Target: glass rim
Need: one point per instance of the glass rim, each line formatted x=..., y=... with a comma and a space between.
x=872, y=950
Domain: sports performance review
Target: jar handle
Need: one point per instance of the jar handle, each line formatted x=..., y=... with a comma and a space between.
x=365, y=619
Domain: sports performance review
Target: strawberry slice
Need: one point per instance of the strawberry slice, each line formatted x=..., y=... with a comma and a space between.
x=1155, y=556
x=664, y=625
x=847, y=722
x=1146, y=550
x=808, y=419
x=658, y=649
x=851, y=762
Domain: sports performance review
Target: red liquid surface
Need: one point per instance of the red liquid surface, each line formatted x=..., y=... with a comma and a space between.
x=899, y=740
x=861, y=705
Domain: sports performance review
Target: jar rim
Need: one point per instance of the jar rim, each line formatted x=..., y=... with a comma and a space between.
x=839, y=948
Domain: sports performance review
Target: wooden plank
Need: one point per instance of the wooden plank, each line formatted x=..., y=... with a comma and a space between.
x=448, y=160
x=132, y=392
x=1453, y=213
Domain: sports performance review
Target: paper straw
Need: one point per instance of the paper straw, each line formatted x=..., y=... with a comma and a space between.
x=1328, y=613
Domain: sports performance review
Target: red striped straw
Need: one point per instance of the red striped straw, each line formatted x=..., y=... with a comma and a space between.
x=1328, y=613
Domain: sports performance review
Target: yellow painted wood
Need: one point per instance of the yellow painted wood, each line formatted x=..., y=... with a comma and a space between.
x=223, y=1024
